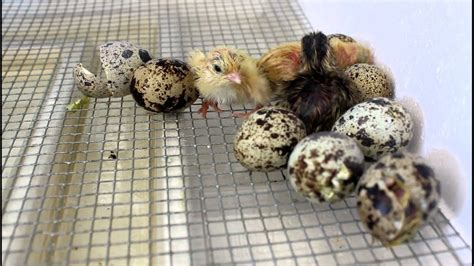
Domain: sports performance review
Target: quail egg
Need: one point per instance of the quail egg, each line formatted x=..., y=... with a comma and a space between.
x=396, y=196
x=370, y=81
x=164, y=85
x=265, y=139
x=379, y=126
x=118, y=60
x=325, y=166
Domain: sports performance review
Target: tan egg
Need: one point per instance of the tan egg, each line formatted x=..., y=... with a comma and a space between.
x=325, y=166
x=265, y=140
x=164, y=85
x=370, y=81
x=396, y=196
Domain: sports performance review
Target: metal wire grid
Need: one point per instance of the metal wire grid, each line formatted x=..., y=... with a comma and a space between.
x=175, y=193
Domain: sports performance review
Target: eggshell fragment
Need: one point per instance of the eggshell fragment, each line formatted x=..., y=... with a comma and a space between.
x=118, y=62
x=89, y=84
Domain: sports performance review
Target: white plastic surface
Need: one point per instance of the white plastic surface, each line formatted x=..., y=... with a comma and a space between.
x=427, y=47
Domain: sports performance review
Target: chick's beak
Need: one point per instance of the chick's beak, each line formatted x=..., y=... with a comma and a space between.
x=234, y=77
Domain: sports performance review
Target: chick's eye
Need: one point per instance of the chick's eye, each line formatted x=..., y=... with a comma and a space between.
x=217, y=69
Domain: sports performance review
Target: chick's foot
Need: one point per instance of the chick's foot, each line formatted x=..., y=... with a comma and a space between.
x=215, y=106
x=203, y=110
x=205, y=107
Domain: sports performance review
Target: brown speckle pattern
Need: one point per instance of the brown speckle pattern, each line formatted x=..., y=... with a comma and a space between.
x=325, y=166
x=164, y=85
x=266, y=139
x=370, y=81
x=379, y=126
x=396, y=196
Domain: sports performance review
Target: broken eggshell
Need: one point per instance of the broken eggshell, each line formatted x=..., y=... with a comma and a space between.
x=396, y=196
x=119, y=60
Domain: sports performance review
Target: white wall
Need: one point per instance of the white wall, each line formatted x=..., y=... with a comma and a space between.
x=427, y=46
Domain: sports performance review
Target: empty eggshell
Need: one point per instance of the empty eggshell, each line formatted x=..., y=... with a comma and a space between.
x=118, y=61
x=325, y=166
x=396, y=196
x=267, y=137
x=379, y=126
x=164, y=85
x=370, y=81
x=89, y=84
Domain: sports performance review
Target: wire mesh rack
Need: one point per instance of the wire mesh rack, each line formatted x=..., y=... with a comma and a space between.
x=113, y=185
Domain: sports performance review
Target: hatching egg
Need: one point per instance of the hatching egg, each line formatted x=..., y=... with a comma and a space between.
x=396, y=196
x=370, y=81
x=379, y=126
x=164, y=85
x=265, y=139
x=325, y=166
x=118, y=61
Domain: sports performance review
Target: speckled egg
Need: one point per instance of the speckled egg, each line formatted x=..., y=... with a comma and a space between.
x=379, y=126
x=118, y=60
x=325, y=166
x=267, y=137
x=370, y=81
x=164, y=85
x=396, y=196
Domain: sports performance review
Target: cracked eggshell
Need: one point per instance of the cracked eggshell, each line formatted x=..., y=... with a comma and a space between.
x=379, y=126
x=265, y=140
x=370, y=81
x=164, y=85
x=396, y=196
x=325, y=166
x=118, y=60
x=88, y=83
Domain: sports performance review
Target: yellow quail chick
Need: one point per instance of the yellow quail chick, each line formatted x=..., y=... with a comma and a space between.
x=228, y=75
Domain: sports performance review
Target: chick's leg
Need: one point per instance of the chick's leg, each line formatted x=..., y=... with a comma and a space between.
x=246, y=115
x=215, y=106
x=205, y=106
x=203, y=110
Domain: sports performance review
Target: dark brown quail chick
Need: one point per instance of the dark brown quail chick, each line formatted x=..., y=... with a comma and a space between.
x=318, y=95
